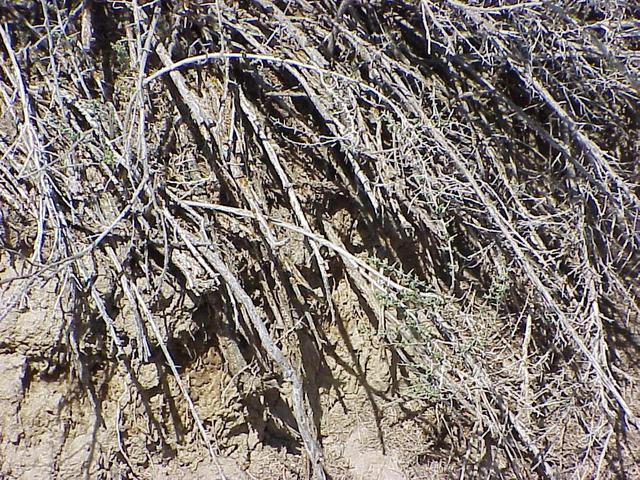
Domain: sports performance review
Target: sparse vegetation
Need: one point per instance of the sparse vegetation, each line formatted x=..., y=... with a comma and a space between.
x=228, y=210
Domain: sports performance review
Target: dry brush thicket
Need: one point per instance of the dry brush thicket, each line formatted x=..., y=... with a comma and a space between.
x=468, y=168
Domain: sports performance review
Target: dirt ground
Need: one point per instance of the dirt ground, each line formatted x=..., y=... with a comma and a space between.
x=50, y=427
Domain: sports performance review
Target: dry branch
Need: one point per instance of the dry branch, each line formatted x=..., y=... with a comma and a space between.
x=467, y=170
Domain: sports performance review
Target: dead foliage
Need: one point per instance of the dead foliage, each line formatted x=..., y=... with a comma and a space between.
x=484, y=154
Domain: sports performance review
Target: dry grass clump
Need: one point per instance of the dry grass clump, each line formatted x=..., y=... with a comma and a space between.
x=205, y=149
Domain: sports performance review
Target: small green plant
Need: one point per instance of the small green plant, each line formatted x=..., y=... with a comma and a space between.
x=121, y=52
x=416, y=293
x=500, y=286
x=108, y=156
x=425, y=388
